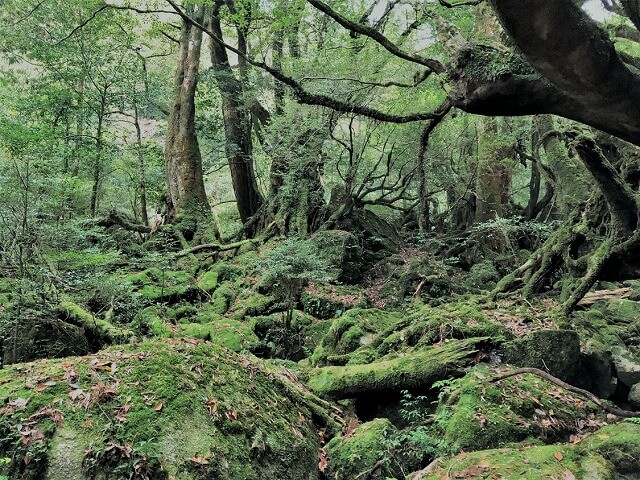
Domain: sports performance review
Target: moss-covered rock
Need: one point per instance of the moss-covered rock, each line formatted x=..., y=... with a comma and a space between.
x=353, y=455
x=352, y=330
x=431, y=325
x=415, y=371
x=208, y=281
x=162, y=408
x=235, y=335
x=158, y=285
x=341, y=251
x=613, y=452
x=556, y=351
x=477, y=414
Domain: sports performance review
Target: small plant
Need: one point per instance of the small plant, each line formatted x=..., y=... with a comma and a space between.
x=290, y=267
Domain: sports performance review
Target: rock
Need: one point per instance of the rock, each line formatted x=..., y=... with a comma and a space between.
x=627, y=366
x=483, y=414
x=597, y=370
x=352, y=455
x=160, y=409
x=634, y=396
x=621, y=310
x=610, y=453
x=555, y=351
x=414, y=371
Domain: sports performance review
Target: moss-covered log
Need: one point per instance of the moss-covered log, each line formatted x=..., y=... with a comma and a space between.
x=418, y=370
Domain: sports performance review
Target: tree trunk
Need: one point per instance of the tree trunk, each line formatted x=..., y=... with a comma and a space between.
x=183, y=162
x=142, y=177
x=237, y=123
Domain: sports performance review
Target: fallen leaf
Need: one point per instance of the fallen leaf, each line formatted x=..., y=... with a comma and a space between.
x=158, y=406
x=322, y=462
x=199, y=460
x=558, y=456
x=74, y=394
x=19, y=403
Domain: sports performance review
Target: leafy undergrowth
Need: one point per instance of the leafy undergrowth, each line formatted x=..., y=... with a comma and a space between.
x=162, y=409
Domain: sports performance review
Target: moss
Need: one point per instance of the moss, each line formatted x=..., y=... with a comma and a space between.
x=168, y=401
x=153, y=285
x=477, y=414
x=350, y=456
x=610, y=453
x=232, y=334
x=222, y=298
x=208, y=281
x=557, y=351
x=418, y=370
x=327, y=301
x=619, y=444
x=354, y=329
x=622, y=311
x=151, y=321
x=252, y=304
x=103, y=329
x=531, y=463
x=430, y=325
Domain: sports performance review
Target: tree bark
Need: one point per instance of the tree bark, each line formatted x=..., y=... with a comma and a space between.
x=183, y=161
x=237, y=123
x=561, y=42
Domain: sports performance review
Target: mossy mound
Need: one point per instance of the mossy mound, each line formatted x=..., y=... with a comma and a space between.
x=185, y=409
x=476, y=413
x=431, y=325
x=612, y=452
x=352, y=455
x=157, y=285
x=354, y=329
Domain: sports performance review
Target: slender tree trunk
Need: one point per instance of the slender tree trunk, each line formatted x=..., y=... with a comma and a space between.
x=97, y=164
x=237, y=124
x=142, y=177
x=183, y=161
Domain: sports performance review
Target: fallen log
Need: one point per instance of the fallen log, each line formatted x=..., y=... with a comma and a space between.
x=593, y=297
x=418, y=370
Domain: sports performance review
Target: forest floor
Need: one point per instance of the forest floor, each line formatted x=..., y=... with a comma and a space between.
x=161, y=366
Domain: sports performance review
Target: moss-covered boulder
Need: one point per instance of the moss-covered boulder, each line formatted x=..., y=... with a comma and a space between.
x=99, y=331
x=352, y=455
x=160, y=285
x=477, y=413
x=352, y=330
x=414, y=371
x=427, y=326
x=556, y=351
x=208, y=281
x=613, y=452
x=161, y=409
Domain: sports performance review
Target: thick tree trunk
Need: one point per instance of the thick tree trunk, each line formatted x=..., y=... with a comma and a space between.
x=562, y=43
x=237, y=123
x=183, y=161
x=494, y=173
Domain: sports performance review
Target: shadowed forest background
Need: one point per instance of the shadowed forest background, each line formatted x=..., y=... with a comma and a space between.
x=305, y=239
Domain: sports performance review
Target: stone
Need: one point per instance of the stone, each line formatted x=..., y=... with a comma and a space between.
x=597, y=370
x=554, y=351
x=627, y=366
x=634, y=396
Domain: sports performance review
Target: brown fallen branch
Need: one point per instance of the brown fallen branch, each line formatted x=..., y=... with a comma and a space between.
x=214, y=247
x=584, y=393
x=593, y=297
x=114, y=218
